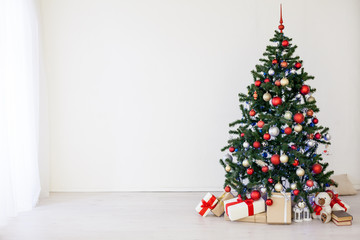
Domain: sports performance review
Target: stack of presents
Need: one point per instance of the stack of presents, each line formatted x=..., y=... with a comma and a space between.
x=277, y=209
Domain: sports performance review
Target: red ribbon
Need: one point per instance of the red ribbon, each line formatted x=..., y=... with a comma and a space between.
x=207, y=205
x=249, y=203
x=317, y=209
x=336, y=200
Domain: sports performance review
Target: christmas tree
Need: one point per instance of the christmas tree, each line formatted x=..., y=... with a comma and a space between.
x=273, y=147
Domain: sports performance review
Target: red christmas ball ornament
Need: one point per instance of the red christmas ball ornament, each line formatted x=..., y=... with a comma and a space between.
x=231, y=149
x=275, y=61
x=305, y=89
x=267, y=136
x=317, y=168
x=242, y=134
x=309, y=112
x=293, y=147
x=299, y=117
x=283, y=64
x=260, y=124
x=252, y=112
x=275, y=159
x=266, y=80
x=250, y=171
x=298, y=65
x=269, y=202
x=277, y=83
x=255, y=195
x=296, y=192
x=227, y=189
x=257, y=83
x=295, y=163
x=270, y=180
x=256, y=144
x=265, y=169
x=315, y=121
x=288, y=130
x=276, y=101
x=309, y=183
x=285, y=43
x=317, y=136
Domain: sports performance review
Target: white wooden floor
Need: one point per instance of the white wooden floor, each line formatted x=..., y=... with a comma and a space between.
x=170, y=215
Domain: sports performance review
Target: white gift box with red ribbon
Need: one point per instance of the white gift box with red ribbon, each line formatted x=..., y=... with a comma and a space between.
x=207, y=203
x=237, y=208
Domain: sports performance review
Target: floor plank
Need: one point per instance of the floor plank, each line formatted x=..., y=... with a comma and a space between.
x=155, y=215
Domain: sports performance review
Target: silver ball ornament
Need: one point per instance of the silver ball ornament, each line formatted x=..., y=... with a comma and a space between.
x=301, y=204
x=227, y=156
x=293, y=186
x=227, y=168
x=267, y=96
x=327, y=137
x=278, y=187
x=271, y=72
x=300, y=172
x=288, y=115
x=284, y=82
x=298, y=128
x=284, y=158
x=246, y=144
x=246, y=163
x=311, y=143
x=274, y=131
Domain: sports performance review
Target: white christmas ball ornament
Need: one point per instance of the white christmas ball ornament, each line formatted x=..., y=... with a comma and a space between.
x=301, y=204
x=263, y=190
x=311, y=143
x=278, y=187
x=227, y=168
x=267, y=96
x=298, y=128
x=327, y=137
x=292, y=71
x=271, y=72
x=227, y=156
x=293, y=186
x=246, y=145
x=310, y=99
x=246, y=163
x=284, y=158
x=274, y=131
x=300, y=172
x=284, y=82
x=288, y=115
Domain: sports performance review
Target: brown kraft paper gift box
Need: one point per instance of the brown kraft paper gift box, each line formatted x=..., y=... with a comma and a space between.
x=280, y=211
x=219, y=209
x=257, y=218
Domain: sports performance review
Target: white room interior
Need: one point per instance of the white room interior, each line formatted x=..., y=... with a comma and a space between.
x=136, y=96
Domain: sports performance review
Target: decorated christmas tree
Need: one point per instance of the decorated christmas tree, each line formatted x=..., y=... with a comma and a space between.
x=273, y=147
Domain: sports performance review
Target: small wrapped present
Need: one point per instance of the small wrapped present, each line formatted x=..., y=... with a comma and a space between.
x=207, y=203
x=219, y=208
x=237, y=208
x=337, y=204
x=256, y=218
x=280, y=211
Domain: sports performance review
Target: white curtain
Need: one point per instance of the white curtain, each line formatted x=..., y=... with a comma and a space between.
x=19, y=107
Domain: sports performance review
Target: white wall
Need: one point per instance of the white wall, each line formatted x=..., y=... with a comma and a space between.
x=141, y=92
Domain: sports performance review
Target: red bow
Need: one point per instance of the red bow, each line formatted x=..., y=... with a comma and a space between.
x=207, y=205
x=249, y=203
x=317, y=209
x=336, y=200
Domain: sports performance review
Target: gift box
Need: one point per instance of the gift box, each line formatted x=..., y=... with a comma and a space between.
x=256, y=218
x=219, y=208
x=337, y=204
x=237, y=208
x=206, y=205
x=280, y=211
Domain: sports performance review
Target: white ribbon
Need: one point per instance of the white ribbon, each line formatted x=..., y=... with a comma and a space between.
x=286, y=202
